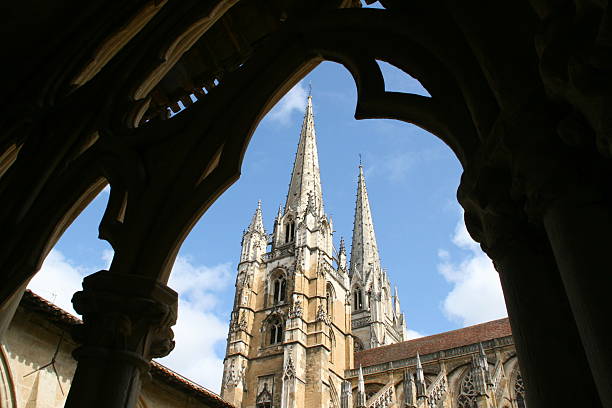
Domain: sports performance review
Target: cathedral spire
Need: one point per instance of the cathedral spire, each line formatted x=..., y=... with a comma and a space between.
x=305, y=178
x=256, y=224
x=364, y=251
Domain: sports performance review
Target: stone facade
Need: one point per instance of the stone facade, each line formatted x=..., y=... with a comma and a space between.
x=37, y=366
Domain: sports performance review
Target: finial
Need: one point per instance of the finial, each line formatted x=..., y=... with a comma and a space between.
x=259, y=204
x=310, y=89
x=360, y=160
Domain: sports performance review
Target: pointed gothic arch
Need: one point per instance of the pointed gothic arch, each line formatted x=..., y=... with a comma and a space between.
x=467, y=393
x=8, y=397
x=277, y=287
x=273, y=330
x=358, y=299
x=330, y=299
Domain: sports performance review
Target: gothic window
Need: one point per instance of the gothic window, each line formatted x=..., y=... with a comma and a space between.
x=468, y=393
x=280, y=290
x=357, y=299
x=289, y=231
x=519, y=391
x=264, y=399
x=276, y=331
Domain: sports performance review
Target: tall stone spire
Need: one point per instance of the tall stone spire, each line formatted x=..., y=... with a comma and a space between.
x=364, y=250
x=306, y=178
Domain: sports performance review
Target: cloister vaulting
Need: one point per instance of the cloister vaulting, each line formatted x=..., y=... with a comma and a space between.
x=520, y=91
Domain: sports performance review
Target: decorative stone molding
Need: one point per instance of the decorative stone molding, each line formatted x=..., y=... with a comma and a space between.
x=322, y=315
x=289, y=371
x=125, y=315
x=361, y=322
x=295, y=311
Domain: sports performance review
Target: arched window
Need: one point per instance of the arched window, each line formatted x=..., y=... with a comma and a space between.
x=280, y=290
x=357, y=299
x=468, y=393
x=276, y=331
x=519, y=391
x=289, y=231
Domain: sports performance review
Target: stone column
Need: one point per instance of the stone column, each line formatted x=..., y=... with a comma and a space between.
x=127, y=321
x=579, y=228
x=545, y=335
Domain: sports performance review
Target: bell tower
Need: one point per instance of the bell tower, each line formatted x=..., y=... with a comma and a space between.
x=290, y=333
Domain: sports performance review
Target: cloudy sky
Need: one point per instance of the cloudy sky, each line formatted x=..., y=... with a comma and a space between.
x=445, y=282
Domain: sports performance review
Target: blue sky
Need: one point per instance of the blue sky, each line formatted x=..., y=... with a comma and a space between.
x=444, y=281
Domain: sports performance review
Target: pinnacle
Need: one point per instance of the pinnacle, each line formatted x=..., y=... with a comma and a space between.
x=256, y=224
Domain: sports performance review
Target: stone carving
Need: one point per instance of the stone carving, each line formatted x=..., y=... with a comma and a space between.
x=241, y=323
x=295, y=311
x=364, y=321
x=437, y=391
x=121, y=323
x=322, y=315
x=289, y=367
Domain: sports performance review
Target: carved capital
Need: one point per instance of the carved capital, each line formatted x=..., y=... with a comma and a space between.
x=125, y=316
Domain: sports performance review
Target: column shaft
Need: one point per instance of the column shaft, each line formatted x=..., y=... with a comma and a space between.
x=547, y=341
x=581, y=238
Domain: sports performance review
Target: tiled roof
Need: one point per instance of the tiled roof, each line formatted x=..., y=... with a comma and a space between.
x=60, y=317
x=431, y=344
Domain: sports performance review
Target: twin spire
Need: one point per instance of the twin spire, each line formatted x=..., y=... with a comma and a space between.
x=305, y=192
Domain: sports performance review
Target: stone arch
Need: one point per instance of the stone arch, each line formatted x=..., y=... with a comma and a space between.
x=273, y=330
x=358, y=297
x=332, y=344
x=7, y=386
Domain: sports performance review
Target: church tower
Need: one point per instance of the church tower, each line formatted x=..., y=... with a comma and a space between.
x=290, y=332
x=376, y=316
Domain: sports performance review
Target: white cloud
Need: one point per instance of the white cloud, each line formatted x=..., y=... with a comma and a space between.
x=58, y=279
x=412, y=334
x=476, y=296
x=395, y=167
x=198, y=331
x=294, y=100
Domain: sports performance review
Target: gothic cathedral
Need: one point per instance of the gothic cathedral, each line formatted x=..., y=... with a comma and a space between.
x=309, y=331
x=290, y=338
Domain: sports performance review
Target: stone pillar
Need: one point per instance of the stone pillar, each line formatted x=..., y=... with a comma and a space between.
x=579, y=228
x=346, y=399
x=546, y=338
x=127, y=321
